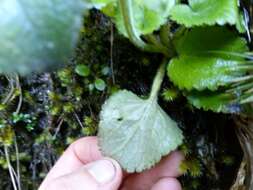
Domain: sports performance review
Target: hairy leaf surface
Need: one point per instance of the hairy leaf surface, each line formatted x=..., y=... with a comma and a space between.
x=136, y=132
x=206, y=58
x=208, y=12
x=37, y=34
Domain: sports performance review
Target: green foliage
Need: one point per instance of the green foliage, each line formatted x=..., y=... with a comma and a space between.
x=29, y=120
x=36, y=35
x=65, y=76
x=90, y=126
x=127, y=123
x=191, y=166
x=82, y=70
x=214, y=101
x=209, y=59
x=208, y=12
x=148, y=15
x=213, y=39
x=6, y=135
x=100, y=84
x=196, y=72
x=198, y=66
x=170, y=94
x=101, y=3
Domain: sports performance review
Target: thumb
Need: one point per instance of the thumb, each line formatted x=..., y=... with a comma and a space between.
x=105, y=174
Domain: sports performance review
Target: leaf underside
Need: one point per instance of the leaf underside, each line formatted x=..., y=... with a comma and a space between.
x=36, y=35
x=136, y=132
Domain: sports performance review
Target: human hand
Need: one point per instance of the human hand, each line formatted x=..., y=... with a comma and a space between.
x=82, y=167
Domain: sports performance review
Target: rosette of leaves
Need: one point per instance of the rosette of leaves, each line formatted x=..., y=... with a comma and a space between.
x=135, y=131
x=212, y=69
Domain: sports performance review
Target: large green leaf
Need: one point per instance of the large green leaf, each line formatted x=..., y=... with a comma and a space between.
x=38, y=34
x=136, y=132
x=195, y=72
x=206, y=58
x=208, y=12
x=214, y=101
x=148, y=15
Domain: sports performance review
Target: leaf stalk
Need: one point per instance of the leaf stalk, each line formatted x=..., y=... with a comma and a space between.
x=158, y=80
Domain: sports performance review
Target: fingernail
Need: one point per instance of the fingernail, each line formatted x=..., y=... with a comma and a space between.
x=103, y=171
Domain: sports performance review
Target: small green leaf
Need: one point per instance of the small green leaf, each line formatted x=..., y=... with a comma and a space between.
x=36, y=35
x=82, y=70
x=206, y=59
x=136, y=132
x=207, y=12
x=170, y=94
x=100, y=84
x=106, y=70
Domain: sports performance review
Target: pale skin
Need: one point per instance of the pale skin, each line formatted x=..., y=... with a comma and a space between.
x=82, y=167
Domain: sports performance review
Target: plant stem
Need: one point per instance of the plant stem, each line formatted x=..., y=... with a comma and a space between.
x=158, y=80
x=166, y=40
x=127, y=13
x=17, y=163
x=164, y=35
x=152, y=39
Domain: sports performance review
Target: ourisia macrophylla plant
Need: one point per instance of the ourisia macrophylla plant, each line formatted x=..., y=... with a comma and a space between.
x=205, y=60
